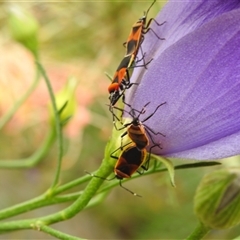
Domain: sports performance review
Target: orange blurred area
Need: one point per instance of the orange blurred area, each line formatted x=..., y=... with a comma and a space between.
x=17, y=74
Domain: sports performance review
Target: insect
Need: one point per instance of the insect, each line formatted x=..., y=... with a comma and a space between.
x=136, y=129
x=136, y=36
x=121, y=79
x=131, y=160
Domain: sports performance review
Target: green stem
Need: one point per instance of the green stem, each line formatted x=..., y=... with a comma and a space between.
x=199, y=232
x=91, y=189
x=35, y=157
x=9, y=114
x=41, y=201
x=56, y=233
x=72, y=184
x=46, y=199
x=57, y=125
x=22, y=207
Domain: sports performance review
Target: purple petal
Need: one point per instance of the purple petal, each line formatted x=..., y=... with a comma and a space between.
x=196, y=70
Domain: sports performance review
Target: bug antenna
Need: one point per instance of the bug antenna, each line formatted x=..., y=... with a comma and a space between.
x=123, y=110
x=146, y=13
x=108, y=76
x=153, y=112
x=133, y=193
x=143, y=110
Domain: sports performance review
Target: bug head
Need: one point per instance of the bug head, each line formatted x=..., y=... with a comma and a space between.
x=145, y=13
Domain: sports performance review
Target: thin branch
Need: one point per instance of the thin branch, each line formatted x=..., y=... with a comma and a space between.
x=57, y=125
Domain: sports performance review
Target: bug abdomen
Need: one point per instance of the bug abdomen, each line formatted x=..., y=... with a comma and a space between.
x=138, y=136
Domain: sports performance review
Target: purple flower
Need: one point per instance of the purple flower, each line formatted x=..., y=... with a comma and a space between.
x=196, y=70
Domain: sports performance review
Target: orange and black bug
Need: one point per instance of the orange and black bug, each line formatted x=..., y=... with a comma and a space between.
x=136, y=36
x=131, y=160
x=136, y=129
x=121, y=79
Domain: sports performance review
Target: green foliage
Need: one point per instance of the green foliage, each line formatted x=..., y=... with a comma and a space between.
x=24, y=28
x=217, y=199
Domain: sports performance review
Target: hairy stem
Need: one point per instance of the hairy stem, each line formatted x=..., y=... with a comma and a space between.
x=57, y=125
x=56, y=233
x=199, y=232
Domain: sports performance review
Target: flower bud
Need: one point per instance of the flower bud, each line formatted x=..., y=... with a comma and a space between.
x=217, y=199
x=24, y=28
x=66, y=102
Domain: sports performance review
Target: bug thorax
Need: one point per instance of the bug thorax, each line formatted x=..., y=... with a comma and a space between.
x=142, y=20
x=136, y=122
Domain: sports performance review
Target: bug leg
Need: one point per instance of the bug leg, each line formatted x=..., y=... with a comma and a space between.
x=114, y=117
x=133, y=193
x=155, y=133
x=150, y=151
x=144, y=63
x=146, y=28
x=96, y=176
x=144, y=167
x=120, y=148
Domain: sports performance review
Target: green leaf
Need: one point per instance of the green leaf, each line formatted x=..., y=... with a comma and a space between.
x=169, y=165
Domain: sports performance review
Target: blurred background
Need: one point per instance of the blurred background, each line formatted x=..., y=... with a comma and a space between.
x=83, y=40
